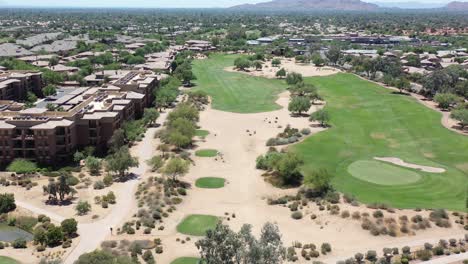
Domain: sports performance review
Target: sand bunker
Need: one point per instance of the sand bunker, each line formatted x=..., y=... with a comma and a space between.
x=268, y=71
x=400, y=162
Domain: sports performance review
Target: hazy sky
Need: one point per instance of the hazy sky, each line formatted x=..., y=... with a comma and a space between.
x=154, y=3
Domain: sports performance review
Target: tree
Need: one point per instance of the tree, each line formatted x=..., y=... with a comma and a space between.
x=7, y=203
x=275, y=62
x=294, y=78
x=22, y=166
x=321, y=116
x=258, y=65
x=156, y=162
x=319, y=181
x=64, y=188
x=461, y=115
x=150, y=116
x=103, y=257
x=40, y=235
x=54, y=235
x=288, y=168
x=333, y=54
x=271, y=245
x=53, y=61
x=299, y=104
x=222, y=245
x=49, y=90
x=446, y=100
x=281, y=73
x=93, y=164
x=317, y=59
x=69, y=227
x=242, y=63
x=176, y=167
x=120, y=162
x=117, y=140
x=402, y=84
x=83, y=207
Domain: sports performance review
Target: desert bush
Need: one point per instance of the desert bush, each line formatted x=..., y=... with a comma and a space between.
x=296, y=215
x=377, y=214
x=345, y=214
x=325, y=248
x=424, y=255
x=99, y=185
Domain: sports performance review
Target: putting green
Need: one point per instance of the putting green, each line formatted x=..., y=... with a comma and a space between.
x=381, y=173
x=197, y=225
x=210, y=183
x=201, y=133
x=206, y=153
x=186, y=260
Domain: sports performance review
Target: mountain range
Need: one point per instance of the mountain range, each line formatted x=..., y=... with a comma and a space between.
x=347, y=5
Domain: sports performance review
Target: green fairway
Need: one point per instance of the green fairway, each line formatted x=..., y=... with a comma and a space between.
x=197, y=225
x=186, y=260
x=201, y=133
x=368, y=120
x=210, y=182
x=206, y=153
x=381, y=173
x=8, y=260
x=235, y=92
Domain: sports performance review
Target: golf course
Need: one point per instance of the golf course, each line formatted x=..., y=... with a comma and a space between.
x=235, y=92
x=367, y=121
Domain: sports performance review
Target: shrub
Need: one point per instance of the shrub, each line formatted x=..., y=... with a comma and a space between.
x=325, y=248
x=305, y=131
x=424, y=255
x=19, y=243
x=345, y=214
x=296, y=215
x=406, y=250
x=99, y=185
x=83, y=207
x=371, y=255
x=159, y=250
x=377, y=214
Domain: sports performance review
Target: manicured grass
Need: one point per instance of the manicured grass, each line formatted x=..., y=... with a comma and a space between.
x=197, y=225
x=186, y=260
x=206, y=153
x=370, y=121
x=8, y=260
x=380, y=173
x=201, y=133
x=235, y=92
x=210, y=183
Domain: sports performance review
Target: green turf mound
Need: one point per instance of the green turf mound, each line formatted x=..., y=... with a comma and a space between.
x=197, y=225
x=201, y=133
x=186, y=260
x=7, y=260
x=206, y=153
x=380, y=173
x=210, y=182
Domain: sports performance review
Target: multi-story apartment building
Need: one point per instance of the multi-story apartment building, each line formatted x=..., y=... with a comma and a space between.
x=14, y=85
x=83, y=116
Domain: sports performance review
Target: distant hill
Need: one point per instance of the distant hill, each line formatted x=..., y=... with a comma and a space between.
x=307, y=5
x=408, y=5
x=457, y=6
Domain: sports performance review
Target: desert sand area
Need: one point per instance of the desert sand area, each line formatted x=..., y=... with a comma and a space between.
x=240, y=138
x=400, y=162
x=269, y=71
